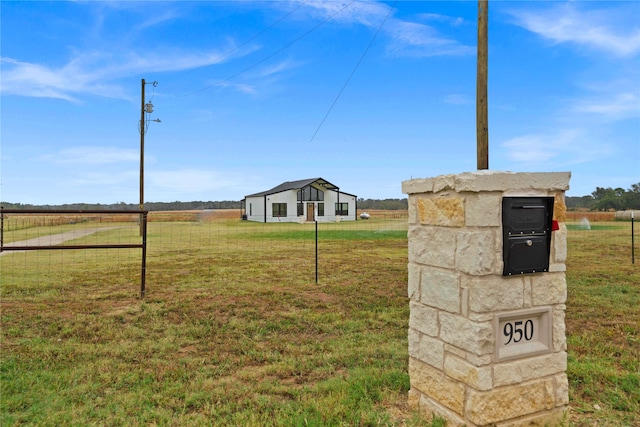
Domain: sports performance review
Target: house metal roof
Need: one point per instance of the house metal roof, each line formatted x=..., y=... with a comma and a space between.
x=296, y=185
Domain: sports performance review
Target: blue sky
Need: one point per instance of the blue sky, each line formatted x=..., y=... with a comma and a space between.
x=364, y=94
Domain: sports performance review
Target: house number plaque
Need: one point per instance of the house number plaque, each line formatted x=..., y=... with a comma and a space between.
x=522, y=334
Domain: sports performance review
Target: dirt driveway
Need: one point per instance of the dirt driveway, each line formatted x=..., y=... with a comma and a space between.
x=54, y=239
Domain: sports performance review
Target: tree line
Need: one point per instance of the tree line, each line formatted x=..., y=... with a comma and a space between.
x=605, y=199
x=384, y=204
x=151, y=206
x=602, y=199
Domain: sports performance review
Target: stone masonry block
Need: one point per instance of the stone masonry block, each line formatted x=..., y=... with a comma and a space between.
x=559, y=329
x=428, y=350
x=557, y=268
x=430, y=408
x=442, y=211
x=483, y=211
x=413, y=399
x=480, y=317
x=423, y=319
x=434, y=384
x=432, y=246
x=451, y=349
x=554, y=418
x=482, y=360
x=562, y=389
x=549, y=288
x=479, y=378
x=484, y=181
x=419, y=185
x=519, y=371
x=444, y=182
x=559, y=245
x=486, y=407
x=487, y=180
x=464, y=301
x=413, y=288
x=528, y=299
x=413, y=338
x=476, y=253
x=494, y=293
x=440, y=288
x=474, y=337
x=559, y=208
x=412, y=211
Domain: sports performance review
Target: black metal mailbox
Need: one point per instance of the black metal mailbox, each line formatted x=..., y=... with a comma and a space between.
x=526, y=234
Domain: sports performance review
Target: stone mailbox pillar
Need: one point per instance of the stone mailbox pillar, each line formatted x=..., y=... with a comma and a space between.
x=485, y=349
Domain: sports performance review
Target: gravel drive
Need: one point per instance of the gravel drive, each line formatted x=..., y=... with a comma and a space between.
x=55, y=239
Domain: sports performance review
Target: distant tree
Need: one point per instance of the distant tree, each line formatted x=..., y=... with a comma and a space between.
x=632, y=197
x=616, y=198
x=579, y=202
x=606, y=199
x=385, y=204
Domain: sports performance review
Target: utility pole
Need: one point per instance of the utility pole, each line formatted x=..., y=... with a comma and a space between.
x=144, y=108
x=482, y=120
x=142, y=130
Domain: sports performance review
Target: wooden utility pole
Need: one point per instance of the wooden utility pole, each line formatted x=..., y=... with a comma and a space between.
x=482, y=119
x=142, y=154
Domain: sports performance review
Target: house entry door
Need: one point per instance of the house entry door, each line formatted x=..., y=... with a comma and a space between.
x=310, y=213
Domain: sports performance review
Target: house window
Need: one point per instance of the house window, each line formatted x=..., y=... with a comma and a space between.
x=300, y=209
x=310, y=194
x=342, y=208
x=320, y=209
x=250, y=209
x=279, y=210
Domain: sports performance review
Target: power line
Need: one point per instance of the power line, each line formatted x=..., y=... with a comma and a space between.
x=354, y=70
x=274, y=53
x=255, y=36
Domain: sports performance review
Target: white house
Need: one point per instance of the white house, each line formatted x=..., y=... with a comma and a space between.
x=312, y=199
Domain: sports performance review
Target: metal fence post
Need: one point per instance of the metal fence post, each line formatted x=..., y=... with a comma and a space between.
x=143, y=271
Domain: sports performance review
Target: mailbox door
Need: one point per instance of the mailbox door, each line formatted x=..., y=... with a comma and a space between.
x=527, y=254
x=527, y=215
x=526, y=234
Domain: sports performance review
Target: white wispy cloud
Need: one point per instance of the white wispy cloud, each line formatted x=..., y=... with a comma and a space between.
x=368, y=14
x=414, y=39
x=93, y=73
x=92, y=155
x=407, y=38
x=602, y=94
x=614, y=31
x=612, y=94
x=454, y=21
x=560, y=148
x=614, y=106
x=259, y=77
x=245, y=88
x=189, y=181
x=111, y=182
x=277, y=68
x=152, y=21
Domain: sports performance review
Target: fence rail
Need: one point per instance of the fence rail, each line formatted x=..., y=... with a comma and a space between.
x=35, y=243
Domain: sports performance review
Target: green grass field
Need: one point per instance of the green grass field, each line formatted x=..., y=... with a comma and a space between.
x=235, y=331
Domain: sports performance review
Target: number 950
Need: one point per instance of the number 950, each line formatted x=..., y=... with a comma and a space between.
x=518, y=330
